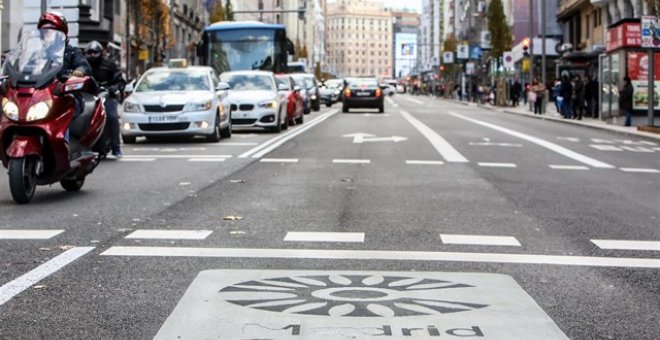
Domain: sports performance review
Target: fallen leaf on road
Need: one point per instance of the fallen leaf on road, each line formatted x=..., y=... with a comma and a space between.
x=44, y=249
x=348, y=180
x=65, y=247
x=232, y=218
x=184, y=183
x=238, y=181
x=39, y=287
x=236, y=232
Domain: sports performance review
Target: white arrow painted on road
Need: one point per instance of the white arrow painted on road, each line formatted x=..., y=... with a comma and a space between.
x=361, y=137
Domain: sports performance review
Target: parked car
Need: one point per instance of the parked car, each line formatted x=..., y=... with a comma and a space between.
x=388, y=90
x=255, y=100
x=177, y=101
x=294, y=109
x=363, y=93
x=330, y=91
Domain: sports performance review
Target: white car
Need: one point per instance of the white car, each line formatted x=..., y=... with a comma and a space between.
x=256, y=101
x=177, y=102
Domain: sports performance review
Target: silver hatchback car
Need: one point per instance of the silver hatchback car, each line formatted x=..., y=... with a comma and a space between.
x=177, y=101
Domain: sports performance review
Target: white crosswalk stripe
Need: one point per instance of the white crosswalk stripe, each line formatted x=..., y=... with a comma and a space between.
x=169, y=234
x=302, y=236
x=28, y=234
x=483, y=240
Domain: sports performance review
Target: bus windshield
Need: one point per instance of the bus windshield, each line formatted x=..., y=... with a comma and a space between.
x=244, y=49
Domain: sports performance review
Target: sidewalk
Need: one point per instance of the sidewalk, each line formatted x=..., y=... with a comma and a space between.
x=522, y=110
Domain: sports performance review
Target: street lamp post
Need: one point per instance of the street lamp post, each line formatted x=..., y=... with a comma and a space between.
x=531, y=49
x=543, y=31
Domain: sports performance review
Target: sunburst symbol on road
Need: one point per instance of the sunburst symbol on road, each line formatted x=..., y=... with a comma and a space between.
x=348, y=295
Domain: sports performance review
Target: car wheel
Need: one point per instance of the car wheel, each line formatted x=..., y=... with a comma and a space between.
x=381, y=108
x=300, y=119
x=285, y=125
x=344, y=108
x=214, y=137
x=226, y=132
x=278, y=126
x=128, y=139
x=328, y=104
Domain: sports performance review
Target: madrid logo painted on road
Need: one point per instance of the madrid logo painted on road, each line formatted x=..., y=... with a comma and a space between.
x=348, y=295
x=335, y=305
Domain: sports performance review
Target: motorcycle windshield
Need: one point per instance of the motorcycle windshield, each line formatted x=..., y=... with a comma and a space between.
x=37, y=60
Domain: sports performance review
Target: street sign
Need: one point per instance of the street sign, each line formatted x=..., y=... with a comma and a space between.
x=448, y=57
x=650, y=31
x=507, y=60
x=462, y=51
x=469, y=68
x=143, y=55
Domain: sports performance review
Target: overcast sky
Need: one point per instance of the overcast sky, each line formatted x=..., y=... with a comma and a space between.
x=411, y=4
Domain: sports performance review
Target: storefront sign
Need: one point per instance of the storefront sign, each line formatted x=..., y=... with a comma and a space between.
x=638, y=71
x=650, y=31
x=628, y=34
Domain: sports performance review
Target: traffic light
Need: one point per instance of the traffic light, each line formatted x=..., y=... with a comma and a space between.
x=525, y=46
x=442, y=68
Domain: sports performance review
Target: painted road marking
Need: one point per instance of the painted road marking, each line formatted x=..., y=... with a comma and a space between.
x=169, y=234
x=412, y=100
x=482, y=240
x=448, y=152
x=207, y=159
x=275, y=142
x=28, y=234
x=389, y=100
x=384, y=255
x=425, y=162
x=331, y=305
x=124, y=159
x=497, y=165
x=15, y=287
x=279, y=160
x=175, y=156
x=236, y=144
x=351, y=161
x=627, y=245
x=641, y=170
x=569, y=167
x=302, y=236
x=541, y=142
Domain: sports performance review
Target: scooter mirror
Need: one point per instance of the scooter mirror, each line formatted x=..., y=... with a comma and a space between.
x=72, y=86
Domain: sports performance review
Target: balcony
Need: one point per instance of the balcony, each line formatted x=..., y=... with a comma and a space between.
x=568, y=7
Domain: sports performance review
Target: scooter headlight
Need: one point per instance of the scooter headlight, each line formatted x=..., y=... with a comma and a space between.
x=10, y=109
x=38, y=111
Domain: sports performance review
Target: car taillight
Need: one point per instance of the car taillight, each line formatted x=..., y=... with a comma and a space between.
x=347, y=92
x=379, y=92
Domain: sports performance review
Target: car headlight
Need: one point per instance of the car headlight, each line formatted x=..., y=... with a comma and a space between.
x=313, y=97
x=10, y=109
x=271, y=104
x=199, y=105
x=38, y=111
x=337, y=92
x=132, y=107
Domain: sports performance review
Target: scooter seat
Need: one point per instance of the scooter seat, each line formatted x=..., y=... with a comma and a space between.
x=80, y=124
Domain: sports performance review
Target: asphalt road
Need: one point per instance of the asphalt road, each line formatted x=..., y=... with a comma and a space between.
x=447, y=221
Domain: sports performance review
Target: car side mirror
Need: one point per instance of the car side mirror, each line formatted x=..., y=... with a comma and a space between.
x=296, y=88
x=129, y=88
x=72, y=85
x=222, y=86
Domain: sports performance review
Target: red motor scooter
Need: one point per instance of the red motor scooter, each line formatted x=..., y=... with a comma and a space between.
x=38, y=109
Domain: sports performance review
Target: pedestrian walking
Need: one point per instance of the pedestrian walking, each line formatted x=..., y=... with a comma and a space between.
x=626, y=100
x=591, y=96
x=556, y=93
x=578, y=105
x=516, y=90
x=538, y=93
x=566, y=92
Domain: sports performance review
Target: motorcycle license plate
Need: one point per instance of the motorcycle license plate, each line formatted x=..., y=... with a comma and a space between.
x=161, y=119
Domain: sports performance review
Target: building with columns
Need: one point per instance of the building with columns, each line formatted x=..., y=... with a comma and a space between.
x=359, y=38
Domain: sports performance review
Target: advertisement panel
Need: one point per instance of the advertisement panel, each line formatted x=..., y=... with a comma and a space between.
x=405, y=46
x=638, y=71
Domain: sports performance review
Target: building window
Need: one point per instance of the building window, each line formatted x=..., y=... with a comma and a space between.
x=95, y=10
x=118, y=7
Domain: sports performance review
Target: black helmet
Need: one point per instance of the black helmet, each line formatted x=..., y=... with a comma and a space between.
x=93, y=52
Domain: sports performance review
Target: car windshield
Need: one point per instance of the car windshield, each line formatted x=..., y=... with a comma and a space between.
x=180, y=80
x=246, y=82
x=333, y=84
x=363, y=83
x=282, y=81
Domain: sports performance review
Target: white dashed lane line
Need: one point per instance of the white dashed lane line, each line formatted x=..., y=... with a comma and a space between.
x=207, y=159
x=496, y=165
x=481, y=240
x=303, y=236
x=627, y=245
x=569, y=167
x=169, y=234
x=351, y=161
x=125, y=159
x=279, y=160
x=28, y=234
x=415, y=162
x=641, y=170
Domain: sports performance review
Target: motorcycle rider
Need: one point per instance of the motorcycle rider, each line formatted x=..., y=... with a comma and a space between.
x=106, y=73
x=74, y=60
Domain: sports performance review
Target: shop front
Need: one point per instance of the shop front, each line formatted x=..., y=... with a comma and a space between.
x=626, y=57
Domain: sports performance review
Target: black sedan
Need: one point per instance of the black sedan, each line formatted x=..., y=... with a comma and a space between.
x=363, y=93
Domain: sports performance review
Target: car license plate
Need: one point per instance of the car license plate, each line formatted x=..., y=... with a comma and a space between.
x=161, y=119
x=362, y=94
